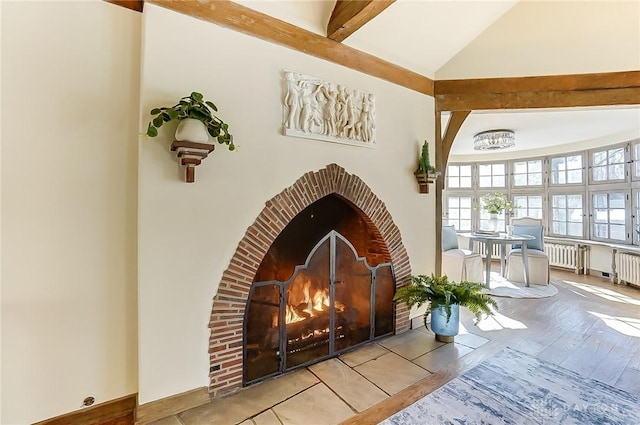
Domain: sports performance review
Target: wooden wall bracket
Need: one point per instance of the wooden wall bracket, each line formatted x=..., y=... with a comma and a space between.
x=191, y=154
x=424, y=180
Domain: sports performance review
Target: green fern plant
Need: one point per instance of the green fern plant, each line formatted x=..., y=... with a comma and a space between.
x=437, y=291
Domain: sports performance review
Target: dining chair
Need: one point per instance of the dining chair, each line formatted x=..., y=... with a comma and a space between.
x=537, y=259
x=457, y=263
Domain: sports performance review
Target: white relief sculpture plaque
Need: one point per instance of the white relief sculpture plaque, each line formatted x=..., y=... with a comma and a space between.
x=316, y=109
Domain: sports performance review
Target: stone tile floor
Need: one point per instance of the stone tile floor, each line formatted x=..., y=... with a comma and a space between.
x=335, y=389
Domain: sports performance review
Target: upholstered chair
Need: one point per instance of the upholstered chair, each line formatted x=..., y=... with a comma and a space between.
x=538, y=261
x=459, y=264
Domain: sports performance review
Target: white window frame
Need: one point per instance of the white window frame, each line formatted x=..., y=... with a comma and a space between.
x=550, y=229
x=627, y=215
x=543, y=173
x=446, y=210
x=625, y=164
x=583, y=181
x=462, y=164
x=504, y=164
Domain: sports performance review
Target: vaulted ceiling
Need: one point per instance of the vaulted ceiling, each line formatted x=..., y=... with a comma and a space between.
x=418, y=42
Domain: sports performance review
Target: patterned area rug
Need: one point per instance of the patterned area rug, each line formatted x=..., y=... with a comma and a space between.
x=514, y=388
x=501, y=287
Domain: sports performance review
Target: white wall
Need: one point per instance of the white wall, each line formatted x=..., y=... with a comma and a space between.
x=188, y=232
x=70, y=80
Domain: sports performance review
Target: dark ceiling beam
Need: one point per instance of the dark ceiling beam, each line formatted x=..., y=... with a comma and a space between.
x=557, y=91
x=349, y=16
x=135, y=5
x=251, y=22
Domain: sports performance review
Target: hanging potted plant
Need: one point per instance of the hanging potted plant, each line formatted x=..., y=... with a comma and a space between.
x=443, y=299
x=197, y=121
x=425, y=173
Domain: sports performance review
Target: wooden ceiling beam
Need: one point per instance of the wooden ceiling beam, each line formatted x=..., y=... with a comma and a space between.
x=251, y=22
x=558, y=91
x=135, y=5
x=348, y=16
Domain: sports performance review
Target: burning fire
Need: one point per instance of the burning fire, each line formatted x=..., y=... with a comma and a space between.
x=312, y=304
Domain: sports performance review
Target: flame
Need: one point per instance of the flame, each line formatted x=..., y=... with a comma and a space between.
x=315, y=303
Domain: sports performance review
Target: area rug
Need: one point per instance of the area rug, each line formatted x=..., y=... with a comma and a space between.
x=514, y=388
x=501, y=287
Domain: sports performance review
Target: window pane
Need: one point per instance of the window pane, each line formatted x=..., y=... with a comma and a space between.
x=574, y=229
x=560, y=214
x=465, y=170
x=454, y=202
x=558, y=164
x=600, y=158
x=465, y=202
x=601, y=216
x=559, y=228
x=599, y=173
x=574, y=162
x=465, y=181
x=485, y=181
x=535, y=201
x=520, y=179
x=601, y=231
x=616, y=172
x=519, y=167
x=574, y=215
x=600, y=200
x=535, y=179
x=616, y=200
x=453, y=171
x=574, y=176
x=559, y=201
x=465, y=214
x=617, y=216
x=616, y=156
x=454, y=214
x=499, y=181
x=574, y=201
x=558, y=177
x=535, y=166
x=618, y=232
x=484, y=169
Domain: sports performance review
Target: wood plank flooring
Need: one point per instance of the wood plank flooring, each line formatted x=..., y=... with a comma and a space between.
x=591, y=327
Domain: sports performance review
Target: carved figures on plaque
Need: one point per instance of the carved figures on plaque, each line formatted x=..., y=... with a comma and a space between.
x=322, y=110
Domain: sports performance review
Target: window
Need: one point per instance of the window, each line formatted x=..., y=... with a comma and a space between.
x=609, y=216
x=567, y=216
x=636, y=217
x=527, y=173
x=459, y=176
x=459, y=212
x=527, y=206
x=608, y=165
x=492, y=175
x=635, y=159
x=566, y=170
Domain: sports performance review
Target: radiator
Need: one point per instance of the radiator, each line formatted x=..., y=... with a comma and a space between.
x=628, y=268
x=562, y=255
x=482, y=249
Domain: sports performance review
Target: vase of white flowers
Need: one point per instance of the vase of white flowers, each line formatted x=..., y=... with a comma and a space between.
x=495, y=203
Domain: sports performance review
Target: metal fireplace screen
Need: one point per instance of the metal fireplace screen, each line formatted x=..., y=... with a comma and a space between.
x=333, y=302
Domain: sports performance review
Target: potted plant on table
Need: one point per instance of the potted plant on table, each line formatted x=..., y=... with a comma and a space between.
x=197, y=123
x=443, y=299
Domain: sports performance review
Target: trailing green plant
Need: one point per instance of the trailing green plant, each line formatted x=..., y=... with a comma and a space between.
x=495, y=202
x=192, y=106
x=438, y=291
x=424, y=165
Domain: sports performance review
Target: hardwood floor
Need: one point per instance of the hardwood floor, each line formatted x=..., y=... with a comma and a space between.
x=591, y=326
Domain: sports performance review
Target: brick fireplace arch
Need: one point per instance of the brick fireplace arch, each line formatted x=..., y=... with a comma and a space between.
x=227, y=315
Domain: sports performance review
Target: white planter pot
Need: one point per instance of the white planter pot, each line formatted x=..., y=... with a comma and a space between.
x=192, y=130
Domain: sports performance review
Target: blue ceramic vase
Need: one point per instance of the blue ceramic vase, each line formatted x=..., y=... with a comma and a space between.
x=445, y=329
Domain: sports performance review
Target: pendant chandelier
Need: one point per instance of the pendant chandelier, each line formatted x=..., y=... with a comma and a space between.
x=494, y=139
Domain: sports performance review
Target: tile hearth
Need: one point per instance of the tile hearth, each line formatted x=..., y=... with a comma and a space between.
x=335, y=389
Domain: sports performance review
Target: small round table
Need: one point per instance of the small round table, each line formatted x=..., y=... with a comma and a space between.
x=503, y=239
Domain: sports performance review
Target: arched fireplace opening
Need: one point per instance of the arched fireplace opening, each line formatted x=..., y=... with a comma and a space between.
x=325, y=286
x=341, y=202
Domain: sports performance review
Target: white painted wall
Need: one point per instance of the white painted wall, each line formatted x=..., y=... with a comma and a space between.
x=188, y=232
x=70, y=80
